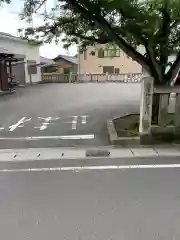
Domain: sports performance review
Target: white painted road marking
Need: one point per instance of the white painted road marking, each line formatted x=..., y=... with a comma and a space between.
x=74, y=122
x=90, y=168
x=84, y=119
x=45, y=123
x=70, y=137
x=20, y=123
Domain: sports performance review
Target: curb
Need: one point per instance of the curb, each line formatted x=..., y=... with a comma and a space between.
x=112, y=134
x=6, y=93
x=123, y=141
x=38, y=154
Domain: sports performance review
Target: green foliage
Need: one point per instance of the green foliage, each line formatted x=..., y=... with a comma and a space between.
x=67, y=70
x=4, y=2
x=127, y=24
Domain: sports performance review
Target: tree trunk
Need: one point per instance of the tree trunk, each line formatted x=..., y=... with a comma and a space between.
x=155, y=108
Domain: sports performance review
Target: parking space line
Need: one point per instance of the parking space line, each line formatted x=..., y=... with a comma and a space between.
x=65, y=137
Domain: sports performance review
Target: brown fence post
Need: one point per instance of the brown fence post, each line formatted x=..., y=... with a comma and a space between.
x=91, y=78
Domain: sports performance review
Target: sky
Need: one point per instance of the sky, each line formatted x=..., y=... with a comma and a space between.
x=10, y=23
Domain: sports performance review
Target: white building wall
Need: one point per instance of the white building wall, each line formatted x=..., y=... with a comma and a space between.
x=31, y=53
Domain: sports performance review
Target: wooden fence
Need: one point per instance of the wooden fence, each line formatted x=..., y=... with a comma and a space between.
x=85, y=78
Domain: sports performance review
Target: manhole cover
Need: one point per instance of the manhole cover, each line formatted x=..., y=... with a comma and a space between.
x=97, y=153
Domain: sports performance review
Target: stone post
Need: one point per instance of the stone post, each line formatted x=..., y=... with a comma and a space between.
x=163, y=109
x=107, y=77
x=70, y=77
x=84, y=78
x=177, y=111
x=146, y=106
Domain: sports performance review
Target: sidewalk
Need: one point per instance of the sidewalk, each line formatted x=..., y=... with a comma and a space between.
x=36, y=154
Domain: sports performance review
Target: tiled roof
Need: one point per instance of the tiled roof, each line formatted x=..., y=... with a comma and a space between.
x=5, y=51
x=10, y=36
x=15, y=38
x=70, y=59
x=46, y=60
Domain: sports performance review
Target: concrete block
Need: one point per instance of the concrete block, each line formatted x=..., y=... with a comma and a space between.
x=167, y=152
x=121, y=153
x=144, y=152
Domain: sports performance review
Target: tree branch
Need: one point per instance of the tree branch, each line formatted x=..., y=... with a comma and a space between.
x=174, y=69
x=40, y=5
x=165, y=31
x=91, y=39
x=156, y=73
x=101, y=22
x=174, y=24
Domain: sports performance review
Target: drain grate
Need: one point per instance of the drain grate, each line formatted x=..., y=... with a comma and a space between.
x=97, y=153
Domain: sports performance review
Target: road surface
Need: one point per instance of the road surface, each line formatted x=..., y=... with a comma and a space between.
x=64, y=114
x=106, y=204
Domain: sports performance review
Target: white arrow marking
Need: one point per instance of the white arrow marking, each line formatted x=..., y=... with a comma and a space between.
x=20, y=123
x=49, y=118
x=1, y=128
x=46, y=122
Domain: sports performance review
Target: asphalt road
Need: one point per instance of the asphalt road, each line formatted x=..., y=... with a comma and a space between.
x=69, y=111
x=123, y=204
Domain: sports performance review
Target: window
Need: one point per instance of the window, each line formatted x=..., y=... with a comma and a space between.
x=108, y=69
x=32, y=68
x=100, y=53
x=116, y=70
x=93, y=53
x=112, y=53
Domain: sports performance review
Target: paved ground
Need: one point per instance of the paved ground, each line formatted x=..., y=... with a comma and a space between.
x=123, y=204
x=64, y=114
x=84, y=198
